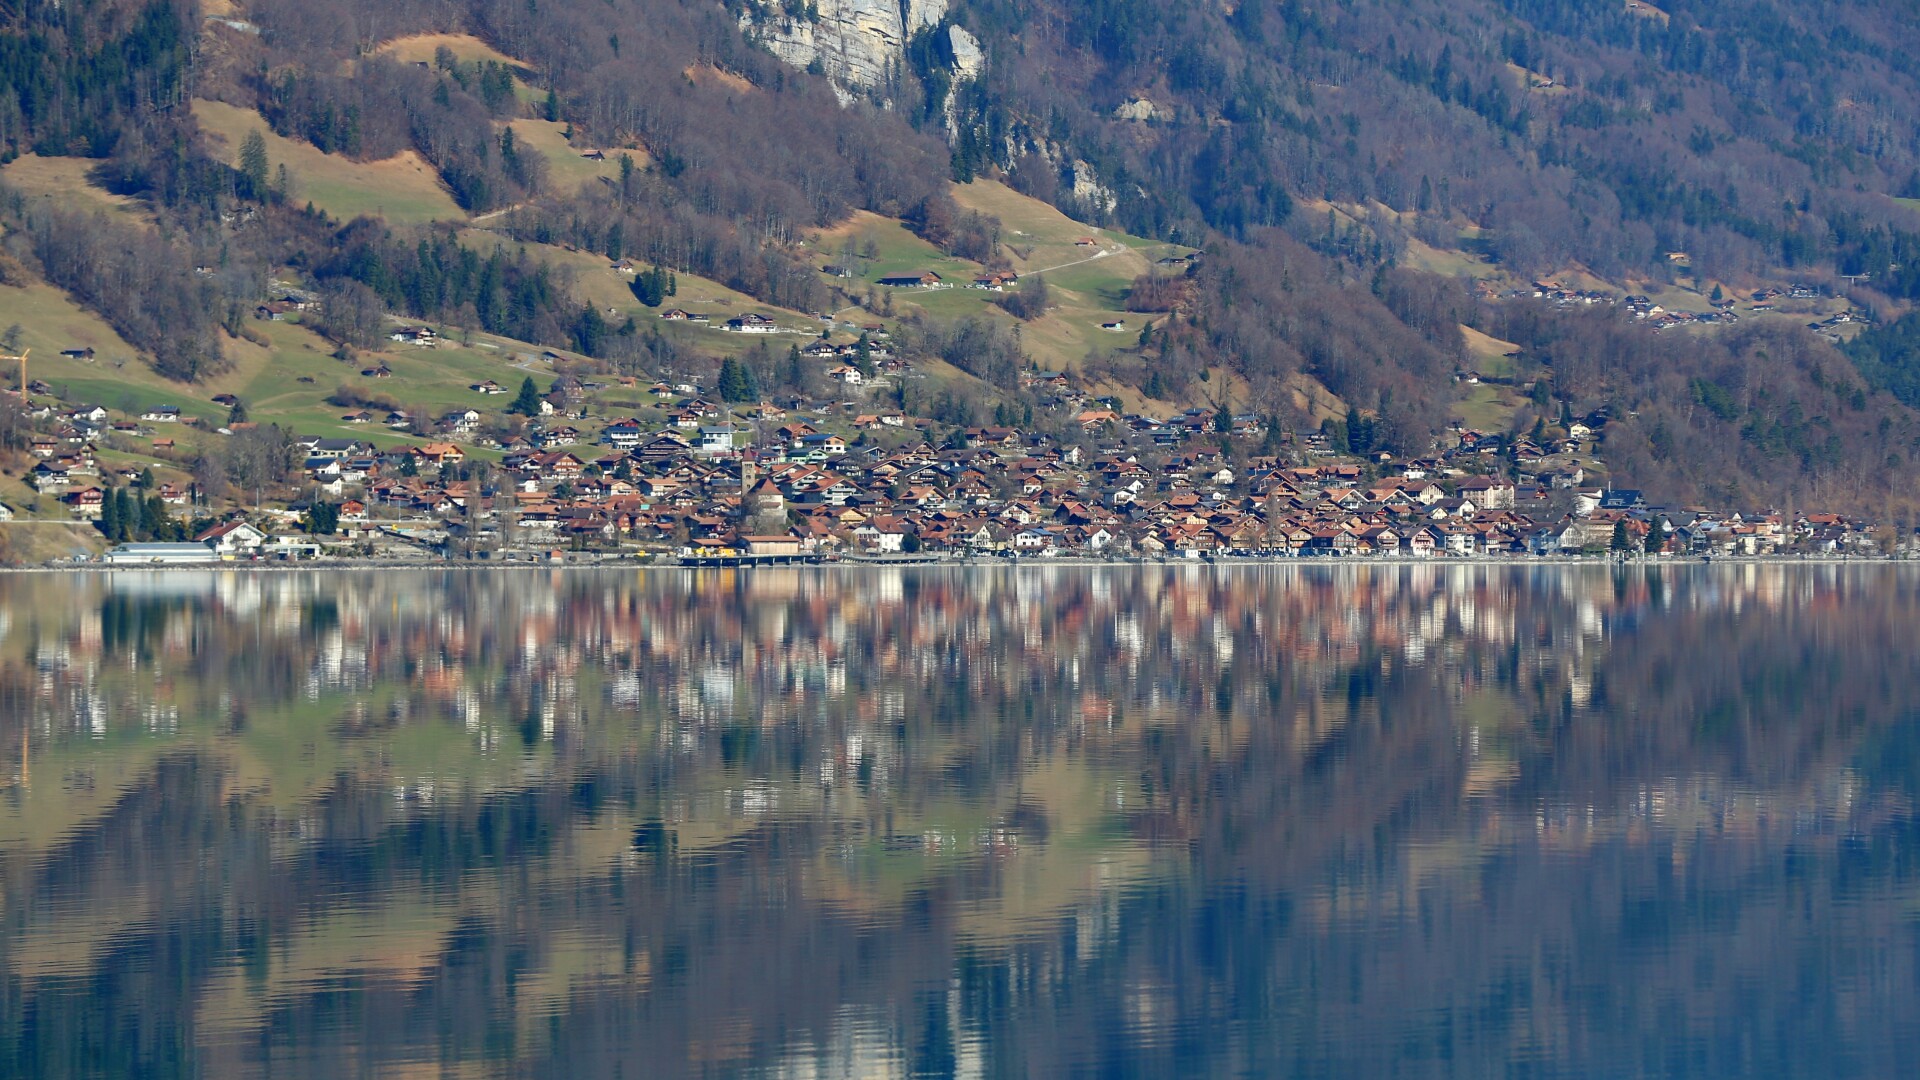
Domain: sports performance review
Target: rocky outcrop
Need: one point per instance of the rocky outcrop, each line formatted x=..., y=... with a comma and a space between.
x=968, y=60
x=1140, y=109
x=1088, y=189
x=860, y=43
x=920, y=14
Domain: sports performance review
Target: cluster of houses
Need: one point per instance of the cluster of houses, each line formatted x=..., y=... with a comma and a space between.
x=1640, y=308
x=1643, y=308
x=691, y=476
x=1829, y=327
x=701, y=480
x=1562, y=295
x=986, y=281
x=751, y=322
x=64, y=452
x=286, y=301
x=423, y=336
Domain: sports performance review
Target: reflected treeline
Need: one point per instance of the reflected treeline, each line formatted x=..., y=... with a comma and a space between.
x=1433, y=819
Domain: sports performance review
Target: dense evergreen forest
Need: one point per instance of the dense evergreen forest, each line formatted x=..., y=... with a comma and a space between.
x=1769, y=141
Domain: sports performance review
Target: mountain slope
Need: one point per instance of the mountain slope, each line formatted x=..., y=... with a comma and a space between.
x=1569, y=131
x=1375, y=187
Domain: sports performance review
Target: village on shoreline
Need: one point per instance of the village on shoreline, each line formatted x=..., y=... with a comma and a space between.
x=715, y=476
x=571, y=563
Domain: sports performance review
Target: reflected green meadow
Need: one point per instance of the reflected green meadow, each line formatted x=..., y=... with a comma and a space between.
x=1036, y=822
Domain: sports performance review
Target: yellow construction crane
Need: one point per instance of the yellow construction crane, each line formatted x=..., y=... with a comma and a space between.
x=23, y=369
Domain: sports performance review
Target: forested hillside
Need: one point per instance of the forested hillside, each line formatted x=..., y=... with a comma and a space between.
x=1371, y=182
x=1755, y=135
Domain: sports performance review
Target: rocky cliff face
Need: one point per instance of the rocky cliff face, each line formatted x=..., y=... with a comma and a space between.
x=859, y=43
x=968, y=63
x=862, y=45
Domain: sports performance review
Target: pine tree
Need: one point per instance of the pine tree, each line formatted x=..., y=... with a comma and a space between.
x=125, y=515
x=652, y=286
x=1359, y=433
x=527, y=403
x=1274, y=440
x=323, y=519
x=509, y=152
x=110, y=516
x=590, y=332
x=737, y=382
x=160, y=523
x=133, y=516
x=253, y=164
x=1621, y=540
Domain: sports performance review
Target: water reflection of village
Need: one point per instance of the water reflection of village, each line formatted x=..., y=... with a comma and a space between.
x=964, y=821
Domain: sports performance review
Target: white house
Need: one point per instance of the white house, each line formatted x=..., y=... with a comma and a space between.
x=820, y=444
x=886, y=539
x=232, y=539
x=622, y=436
x=1034, y=539
x=461, y=421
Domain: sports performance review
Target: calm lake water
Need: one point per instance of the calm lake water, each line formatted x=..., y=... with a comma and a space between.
x=1350, y=821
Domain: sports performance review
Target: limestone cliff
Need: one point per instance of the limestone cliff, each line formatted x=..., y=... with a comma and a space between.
x=859, y=43
x=968, y=62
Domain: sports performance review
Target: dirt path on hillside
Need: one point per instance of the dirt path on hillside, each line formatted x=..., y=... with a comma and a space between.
x=1102, y=254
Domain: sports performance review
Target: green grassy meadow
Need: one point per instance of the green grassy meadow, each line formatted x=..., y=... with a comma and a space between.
x=403, y=189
